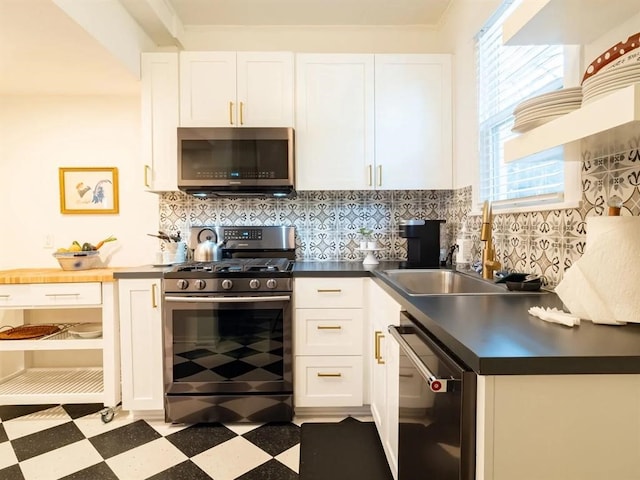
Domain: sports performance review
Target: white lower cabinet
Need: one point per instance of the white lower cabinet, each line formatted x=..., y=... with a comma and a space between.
x=384, y=357
x=141, y=344
x=328, y=342
x=558, y=427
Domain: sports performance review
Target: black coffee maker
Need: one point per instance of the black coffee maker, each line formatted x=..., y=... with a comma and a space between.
x=423, y=243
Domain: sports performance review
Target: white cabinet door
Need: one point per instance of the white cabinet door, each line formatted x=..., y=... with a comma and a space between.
x=229, y=89
x=384, y=370
x=141, y=344
x=208, y=89
x=413, y=127
x=159, y=99
x=334, y=121
x=265, y=89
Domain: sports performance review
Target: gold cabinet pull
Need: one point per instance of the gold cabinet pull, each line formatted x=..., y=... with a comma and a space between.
x=329, y=374
x=329, y=327
x=147, y=169
x=231, y=113
x=5, y=296
x=370, y=168
x=379, y=175
x=406, y=375
x=241, y=113
x=377, y=354
x=154, y=301
x=329, y=290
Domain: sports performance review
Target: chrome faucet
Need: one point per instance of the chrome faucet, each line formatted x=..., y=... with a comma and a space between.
x=489, y=263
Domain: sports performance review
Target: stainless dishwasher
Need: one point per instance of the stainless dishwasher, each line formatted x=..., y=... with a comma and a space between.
x=437, y=408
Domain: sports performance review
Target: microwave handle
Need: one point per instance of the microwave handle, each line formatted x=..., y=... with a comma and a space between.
x=436, y=385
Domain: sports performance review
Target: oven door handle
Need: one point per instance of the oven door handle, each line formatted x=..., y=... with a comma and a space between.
x=436, y=385
x=274, y=298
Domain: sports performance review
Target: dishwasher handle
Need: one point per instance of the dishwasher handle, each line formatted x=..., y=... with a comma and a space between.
x=436, y=385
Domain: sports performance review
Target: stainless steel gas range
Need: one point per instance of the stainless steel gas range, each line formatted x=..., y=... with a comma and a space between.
x=228, y=332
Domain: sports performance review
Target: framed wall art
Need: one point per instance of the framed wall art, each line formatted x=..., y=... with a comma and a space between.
x=91, y=190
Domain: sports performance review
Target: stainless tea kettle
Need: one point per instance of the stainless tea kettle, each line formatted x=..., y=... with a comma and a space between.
x=208, y=251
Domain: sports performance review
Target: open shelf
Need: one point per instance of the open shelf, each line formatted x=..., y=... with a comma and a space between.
x=599, y=117
x=49, y=385
x=57, y=341
x=565, y=22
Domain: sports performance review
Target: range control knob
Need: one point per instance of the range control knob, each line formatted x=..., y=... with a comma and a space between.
x=200, y=284
x=227, y=284
x=272, y=283
x=182, y=284
x=254, y=283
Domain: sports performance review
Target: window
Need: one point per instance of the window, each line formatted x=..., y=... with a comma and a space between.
x=506, y=76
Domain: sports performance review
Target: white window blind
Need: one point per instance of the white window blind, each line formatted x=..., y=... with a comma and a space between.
x=506, y=76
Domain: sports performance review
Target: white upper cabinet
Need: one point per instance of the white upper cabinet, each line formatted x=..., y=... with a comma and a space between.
x=373, y=122
x=243, y=89
x=413, y=130
x=334, y=121
x=159, y=115
x=565, y=22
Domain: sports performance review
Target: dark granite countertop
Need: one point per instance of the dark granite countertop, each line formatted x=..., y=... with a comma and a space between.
x=340, y=269
x=492, y=334
x=495, y=335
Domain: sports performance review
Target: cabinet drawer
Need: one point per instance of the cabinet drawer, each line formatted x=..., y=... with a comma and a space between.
x=14, y=295
x=328, y=331
x=61, y=294
x=329, y=292
x=328, y=381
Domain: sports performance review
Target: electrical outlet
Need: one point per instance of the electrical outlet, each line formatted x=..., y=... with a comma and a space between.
x=48, y=241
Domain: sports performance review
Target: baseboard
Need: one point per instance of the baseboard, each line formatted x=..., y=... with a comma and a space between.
x=361, y=411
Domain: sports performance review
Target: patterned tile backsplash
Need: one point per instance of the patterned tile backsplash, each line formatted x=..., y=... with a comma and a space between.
x=327, y=222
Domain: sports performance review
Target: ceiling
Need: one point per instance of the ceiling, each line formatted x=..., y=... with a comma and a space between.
x=43, y=51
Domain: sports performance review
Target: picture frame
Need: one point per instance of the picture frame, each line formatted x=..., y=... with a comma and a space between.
x=88, y=190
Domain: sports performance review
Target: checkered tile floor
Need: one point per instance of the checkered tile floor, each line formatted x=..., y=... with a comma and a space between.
x=71, y=442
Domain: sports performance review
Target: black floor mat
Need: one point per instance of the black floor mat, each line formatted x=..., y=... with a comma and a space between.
x=347, y=450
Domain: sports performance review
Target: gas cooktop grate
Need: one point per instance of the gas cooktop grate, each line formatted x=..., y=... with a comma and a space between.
x=238, y=265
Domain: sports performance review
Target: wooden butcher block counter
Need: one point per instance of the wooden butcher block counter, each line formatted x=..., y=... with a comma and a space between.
x=56, y=275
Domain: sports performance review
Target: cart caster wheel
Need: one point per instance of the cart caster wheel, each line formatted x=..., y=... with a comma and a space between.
x=107, y=415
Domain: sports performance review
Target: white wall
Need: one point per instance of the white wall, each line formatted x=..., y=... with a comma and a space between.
x=350, y=39
x=40, y=134
x=461, y=23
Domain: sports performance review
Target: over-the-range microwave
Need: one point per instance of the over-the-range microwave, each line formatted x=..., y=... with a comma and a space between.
x=236, y=161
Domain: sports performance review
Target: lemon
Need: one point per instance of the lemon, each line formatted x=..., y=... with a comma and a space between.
x=75, y=248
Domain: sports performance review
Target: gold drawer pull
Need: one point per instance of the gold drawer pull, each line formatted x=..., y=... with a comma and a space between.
x=154, y=301
x=61, y=294
x=406, y=375
x=329, y=374
x=5, y=296
x=329, y=290
x=377, y=349
x=329, y=327
x=147, y=169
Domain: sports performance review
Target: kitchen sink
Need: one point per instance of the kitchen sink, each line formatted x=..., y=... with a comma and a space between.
x=443, y=282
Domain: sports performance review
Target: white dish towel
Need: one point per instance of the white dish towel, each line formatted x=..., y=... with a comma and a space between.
x=554, y=315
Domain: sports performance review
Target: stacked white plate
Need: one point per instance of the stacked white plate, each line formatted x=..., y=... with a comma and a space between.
x=541, y=109
x=607, y=81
